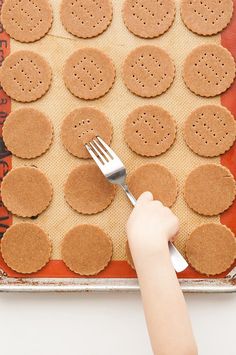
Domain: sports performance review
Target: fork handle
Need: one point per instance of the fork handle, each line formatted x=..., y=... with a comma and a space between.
x=178, y=261
x=129, y=195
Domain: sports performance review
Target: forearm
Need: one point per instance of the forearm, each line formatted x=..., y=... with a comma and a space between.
x=164, y=305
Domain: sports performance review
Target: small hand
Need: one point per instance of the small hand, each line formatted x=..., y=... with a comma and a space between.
x=150, y=226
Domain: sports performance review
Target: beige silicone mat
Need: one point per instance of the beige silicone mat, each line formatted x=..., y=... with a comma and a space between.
x=117, y=41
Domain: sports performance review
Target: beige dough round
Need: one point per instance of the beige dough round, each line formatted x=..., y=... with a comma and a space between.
x=89, y=73
x=27, y=133
x=25, y=248
x=154, y=178
x=210, y=189
x=210, y=130
x=209, y=70
x=87, y=191
x=26, y=191
x=206, y=17
x=81, y=126
x=25, y=76
x=26, y=20
x=86, y=249
x=150, y=130
x=211, y=248
x=148, y=18
x=148, y=71
x=86, y=18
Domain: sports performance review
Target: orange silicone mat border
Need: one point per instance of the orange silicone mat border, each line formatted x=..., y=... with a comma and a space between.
x=116, y=269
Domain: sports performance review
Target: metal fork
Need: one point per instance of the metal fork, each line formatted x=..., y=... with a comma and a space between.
x=114, y=170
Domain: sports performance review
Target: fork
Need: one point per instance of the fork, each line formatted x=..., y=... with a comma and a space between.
x=114, y=170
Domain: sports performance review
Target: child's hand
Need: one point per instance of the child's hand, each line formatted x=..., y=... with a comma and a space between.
x=150, y=226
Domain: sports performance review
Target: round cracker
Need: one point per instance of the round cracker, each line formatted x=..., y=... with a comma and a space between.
x=147, y=18
x=148, y=71
x=27, y=133
x=210, y=130
x=157, y=179
x=89, y=73
x=25, y=248
x=150, y=130
x=25, y=76
x=86, y=249
x=210, y=189
x=206, y=17
x=209, y=70
x=81, y=126
x=26, y=21
x=211, y=249
x=86, y=18
x=87, y=191
x=26, y=191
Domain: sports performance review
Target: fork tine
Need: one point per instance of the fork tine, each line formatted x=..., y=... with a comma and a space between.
x=94, y=156
x=98, y=153
x=110, y=151
x=100, y=147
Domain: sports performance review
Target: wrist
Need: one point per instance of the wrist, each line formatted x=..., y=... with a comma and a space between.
x=151, y=257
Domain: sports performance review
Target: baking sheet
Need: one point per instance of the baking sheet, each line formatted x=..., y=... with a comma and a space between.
x=117, y=41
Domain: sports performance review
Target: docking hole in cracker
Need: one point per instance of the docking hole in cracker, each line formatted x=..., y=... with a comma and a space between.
x=206, y=17
x=27, y=133
x=25, y=76
x=157, y=179
x=148, y=71
x=86, y=18
x=26, y=20
x=209, y=70
x=148, y=18
x=89, y=73
x=81, y=126
x=87, y=191
x=210, y=130
x=25, y=248
x=211, y=249
x=210, y=189
x=86, y=249
x=150, y=130
x=26, y=191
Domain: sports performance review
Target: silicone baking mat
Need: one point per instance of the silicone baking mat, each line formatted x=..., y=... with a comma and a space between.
x=57, y=163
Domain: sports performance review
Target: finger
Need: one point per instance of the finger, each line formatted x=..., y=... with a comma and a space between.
x=158, y=203
x=145, y=197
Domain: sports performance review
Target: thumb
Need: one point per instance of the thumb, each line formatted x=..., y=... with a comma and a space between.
x=145, y=197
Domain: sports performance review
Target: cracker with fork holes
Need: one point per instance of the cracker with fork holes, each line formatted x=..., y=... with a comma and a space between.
x=89, y=73
x=148, y=18
x=26, y=20
x=86, y=18
x=150, y=130
x=206, y=17
x=210, y=130
x=81, y=126
x=148, y=71
x=209, y=70
x=25, y=76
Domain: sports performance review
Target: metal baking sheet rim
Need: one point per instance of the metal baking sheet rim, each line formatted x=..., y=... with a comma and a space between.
x=223, y=285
